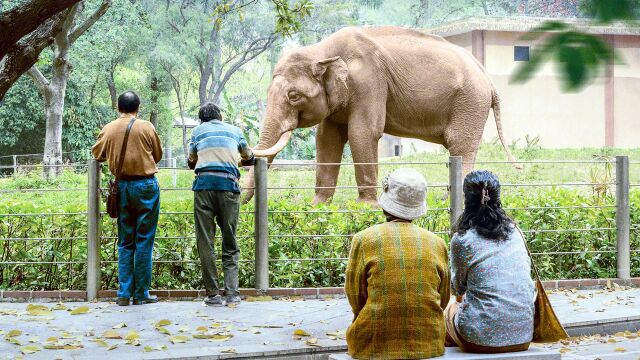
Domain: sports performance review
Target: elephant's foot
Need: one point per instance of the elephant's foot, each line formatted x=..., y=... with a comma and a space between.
x=321, y=199
x=372, y=201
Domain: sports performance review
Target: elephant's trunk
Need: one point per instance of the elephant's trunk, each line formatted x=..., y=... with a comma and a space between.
x=274, y=136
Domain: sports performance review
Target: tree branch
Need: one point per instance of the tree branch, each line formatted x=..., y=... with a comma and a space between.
x=22, y=20
x=25, y=53
x=41, y=82
x=81, y=29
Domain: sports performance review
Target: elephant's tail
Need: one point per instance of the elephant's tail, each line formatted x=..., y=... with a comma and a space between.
x=495, y=105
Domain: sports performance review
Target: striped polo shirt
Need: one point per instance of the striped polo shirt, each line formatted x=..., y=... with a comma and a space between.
x=217, y=146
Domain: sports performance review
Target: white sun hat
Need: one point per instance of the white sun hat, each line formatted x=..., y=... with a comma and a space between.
x=403, y=194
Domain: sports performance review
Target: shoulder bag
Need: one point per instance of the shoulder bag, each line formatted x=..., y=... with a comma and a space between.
x=546, y=326
x=113, y=197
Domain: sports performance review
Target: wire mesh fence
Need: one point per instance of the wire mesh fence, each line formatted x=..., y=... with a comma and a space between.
x=571, y=227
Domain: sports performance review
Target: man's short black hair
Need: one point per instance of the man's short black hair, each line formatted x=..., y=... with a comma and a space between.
x=209, y=111
x=128, y=102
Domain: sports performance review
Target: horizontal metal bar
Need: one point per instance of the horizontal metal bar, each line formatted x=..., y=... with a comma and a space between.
x=575, y=252
x=41, y=262
x=566, y=230
x=40, y=190
x=546, y=162
x=330, y=235
x=361, y=163
x=556, y=184
x=191, y=212
x=42, y=165
x=338, y=211
x=44, y=238
x=561, y=207
x=46, y=214
x=179, y=237
x=342, y=187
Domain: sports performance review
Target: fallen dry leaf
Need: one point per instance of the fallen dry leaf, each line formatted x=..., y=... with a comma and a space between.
x=13, y=333
x=30, y=349
x=300, y=332
x=179, y=339
x=38, y=310
x=119, y=326
x=163, y=330
x=80, y=310
x=312, y=342
x=111, y=334
x=163, y=322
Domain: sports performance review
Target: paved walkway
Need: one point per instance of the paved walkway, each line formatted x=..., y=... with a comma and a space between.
x=272, y=328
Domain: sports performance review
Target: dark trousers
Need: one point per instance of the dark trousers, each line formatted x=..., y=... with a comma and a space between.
x=213, y=207
x=137, y=223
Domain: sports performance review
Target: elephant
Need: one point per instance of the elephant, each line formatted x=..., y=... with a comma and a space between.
x=359, y=83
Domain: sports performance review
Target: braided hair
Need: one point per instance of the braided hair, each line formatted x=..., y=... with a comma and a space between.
x=482, y=207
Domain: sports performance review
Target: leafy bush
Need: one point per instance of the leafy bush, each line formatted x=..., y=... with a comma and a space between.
x=293, y=224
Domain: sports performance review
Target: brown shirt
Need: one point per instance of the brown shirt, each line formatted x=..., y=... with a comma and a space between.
x=144, y=149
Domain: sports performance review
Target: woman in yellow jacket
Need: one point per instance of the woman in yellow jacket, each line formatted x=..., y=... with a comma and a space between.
x=397, y=279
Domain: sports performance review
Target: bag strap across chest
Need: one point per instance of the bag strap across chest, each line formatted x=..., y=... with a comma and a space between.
x=123, y=150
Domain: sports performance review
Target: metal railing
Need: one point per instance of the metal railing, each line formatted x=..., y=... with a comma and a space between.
x=261, y=214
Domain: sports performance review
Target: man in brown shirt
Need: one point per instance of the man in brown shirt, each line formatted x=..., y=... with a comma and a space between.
x=139, y=196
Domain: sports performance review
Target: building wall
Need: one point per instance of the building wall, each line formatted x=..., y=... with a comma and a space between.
x=627, y=92
x=540, y=108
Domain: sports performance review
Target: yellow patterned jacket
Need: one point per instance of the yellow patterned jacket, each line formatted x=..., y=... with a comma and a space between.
x=397, y=283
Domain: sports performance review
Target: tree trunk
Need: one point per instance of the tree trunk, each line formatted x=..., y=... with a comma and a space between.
x=153, y=116
x=112, y=89
x=54, y=104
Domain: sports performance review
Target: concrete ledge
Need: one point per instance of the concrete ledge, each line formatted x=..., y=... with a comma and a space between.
x=312, y=293
x=455, y=353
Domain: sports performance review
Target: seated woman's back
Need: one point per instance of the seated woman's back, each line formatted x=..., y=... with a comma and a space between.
x=495, y=276
x=397, y=280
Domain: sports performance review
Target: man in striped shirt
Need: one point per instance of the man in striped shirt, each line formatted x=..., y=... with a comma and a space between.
x=214, y=152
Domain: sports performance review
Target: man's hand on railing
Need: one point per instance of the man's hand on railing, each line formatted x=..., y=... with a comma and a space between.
x=248, y=162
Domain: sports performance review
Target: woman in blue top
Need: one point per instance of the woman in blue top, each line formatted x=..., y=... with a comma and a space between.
x=490, y=275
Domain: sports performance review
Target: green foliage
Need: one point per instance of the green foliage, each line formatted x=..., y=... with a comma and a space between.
x=289, y=17
x=301, y=231
x=579, y=55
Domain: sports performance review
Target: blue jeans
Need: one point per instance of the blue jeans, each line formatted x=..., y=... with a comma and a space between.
x=137, y=223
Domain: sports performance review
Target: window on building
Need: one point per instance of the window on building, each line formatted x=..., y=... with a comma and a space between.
x=397, y=150
x=521, y=53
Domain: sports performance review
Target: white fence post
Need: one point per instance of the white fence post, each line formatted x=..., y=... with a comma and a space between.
x=261, y=226
x=456, y=198
x=93, y=231
x=623, y=252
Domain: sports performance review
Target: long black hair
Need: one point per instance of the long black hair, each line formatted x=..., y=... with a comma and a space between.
x=482, y=207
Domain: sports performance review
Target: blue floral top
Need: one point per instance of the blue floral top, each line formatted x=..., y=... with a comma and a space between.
x=495, y=277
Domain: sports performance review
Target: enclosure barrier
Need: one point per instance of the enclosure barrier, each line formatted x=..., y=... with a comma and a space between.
x=261, y=214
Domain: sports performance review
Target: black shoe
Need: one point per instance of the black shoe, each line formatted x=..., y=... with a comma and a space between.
x=152, y=299
x=233, y=299
x=123, y=302
x=214, y=300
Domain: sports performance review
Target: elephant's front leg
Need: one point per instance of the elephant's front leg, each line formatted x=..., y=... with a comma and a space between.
x=363, y=140
x=330, y=141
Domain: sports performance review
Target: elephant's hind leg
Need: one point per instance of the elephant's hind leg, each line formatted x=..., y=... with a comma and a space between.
x=463, y=134
x=330, y=141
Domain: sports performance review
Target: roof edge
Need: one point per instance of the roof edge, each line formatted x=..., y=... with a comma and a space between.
x=524, y=24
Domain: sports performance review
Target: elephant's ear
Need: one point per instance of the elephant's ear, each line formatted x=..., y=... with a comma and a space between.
x=333, y=72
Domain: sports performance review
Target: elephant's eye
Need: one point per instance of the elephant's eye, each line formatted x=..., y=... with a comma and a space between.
x=294, y=96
